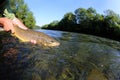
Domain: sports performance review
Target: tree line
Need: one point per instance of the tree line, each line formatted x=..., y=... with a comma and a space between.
x=88, y=21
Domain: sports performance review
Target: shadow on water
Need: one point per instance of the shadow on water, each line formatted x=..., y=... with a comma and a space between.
x=79, y=57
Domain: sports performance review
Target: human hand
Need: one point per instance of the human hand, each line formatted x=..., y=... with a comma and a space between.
x=7, y=24
x=14, y=20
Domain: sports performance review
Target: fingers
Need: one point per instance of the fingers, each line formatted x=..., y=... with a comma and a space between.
x=7, y=24
x=33, y=41
x=9, y=28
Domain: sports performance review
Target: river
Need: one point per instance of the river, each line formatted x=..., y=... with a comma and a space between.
x=79, y=57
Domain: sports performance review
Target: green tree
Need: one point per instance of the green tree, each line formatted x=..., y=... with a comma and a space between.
x=45, y=26
x=20, y=9
x=97, y=24
x=67, y=22
x=85, y=19
x=112, y=21
x=53, y=25
x=84, y=14
x=112, y=18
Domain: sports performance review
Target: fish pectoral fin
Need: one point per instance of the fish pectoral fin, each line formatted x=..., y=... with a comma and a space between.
x=12, y=34
x=23, y=40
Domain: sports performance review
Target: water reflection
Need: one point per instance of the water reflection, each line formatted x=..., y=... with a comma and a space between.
x=79, y=57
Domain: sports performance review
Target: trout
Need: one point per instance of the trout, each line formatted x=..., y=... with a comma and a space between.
x=28, y=35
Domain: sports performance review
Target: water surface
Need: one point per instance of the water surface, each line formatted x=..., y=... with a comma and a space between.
x=79, y=57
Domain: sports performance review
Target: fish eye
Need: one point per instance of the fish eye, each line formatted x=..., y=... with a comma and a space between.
x=52, y=41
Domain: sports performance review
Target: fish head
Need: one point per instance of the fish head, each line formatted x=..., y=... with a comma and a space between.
x=50, y=42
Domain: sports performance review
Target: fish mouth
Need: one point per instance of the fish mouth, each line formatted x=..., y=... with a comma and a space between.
x=53, y=44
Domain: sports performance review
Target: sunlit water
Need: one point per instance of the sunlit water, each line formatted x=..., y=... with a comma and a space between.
x=79, y=57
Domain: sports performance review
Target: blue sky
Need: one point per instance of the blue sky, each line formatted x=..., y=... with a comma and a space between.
x=46, y=11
